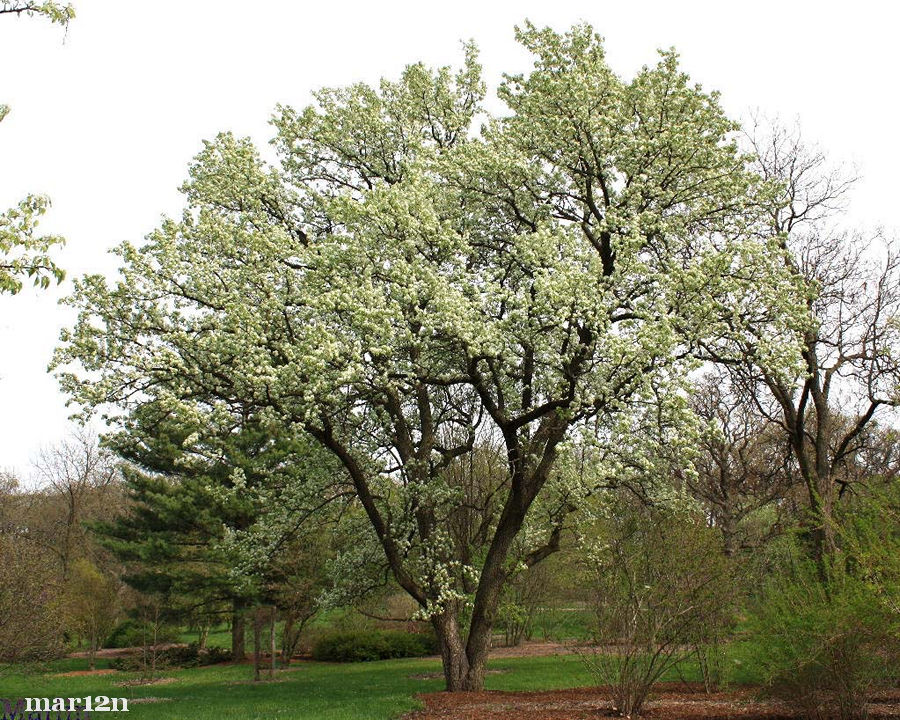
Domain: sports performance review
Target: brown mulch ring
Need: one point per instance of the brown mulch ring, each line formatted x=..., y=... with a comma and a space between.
x=80, y=673
x=671, y=701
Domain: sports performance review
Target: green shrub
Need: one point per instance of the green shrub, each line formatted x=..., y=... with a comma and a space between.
x=192, y=656
x=135, y=633
x=183, y=656
x=823, y=647
x=362, y=645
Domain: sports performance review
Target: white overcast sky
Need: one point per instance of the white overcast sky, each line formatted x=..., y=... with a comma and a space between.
x=106, y=117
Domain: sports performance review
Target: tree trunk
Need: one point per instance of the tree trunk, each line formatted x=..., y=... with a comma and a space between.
x=464, y=664
x=823, y=537
x=273, y=618
x=287, y=644
x=238, y=646
x=487, y=597
x=204, y=636
x=477, y=652
x=154, y=651
x=729, y=535
x=257, y=631
x=453, y=652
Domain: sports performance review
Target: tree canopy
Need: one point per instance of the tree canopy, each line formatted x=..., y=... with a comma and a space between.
x=410, y=279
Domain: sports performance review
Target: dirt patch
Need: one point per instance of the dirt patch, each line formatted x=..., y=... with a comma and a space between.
x=80, y=673
x=531, y=649
x=440, y=674
x=138, y=701
x=675, y=701
x=141, y=683
x=123, y=652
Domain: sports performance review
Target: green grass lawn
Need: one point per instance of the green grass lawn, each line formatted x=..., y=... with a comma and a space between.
x=308, y=690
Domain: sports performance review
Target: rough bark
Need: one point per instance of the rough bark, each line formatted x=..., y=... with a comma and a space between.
x=453, y=652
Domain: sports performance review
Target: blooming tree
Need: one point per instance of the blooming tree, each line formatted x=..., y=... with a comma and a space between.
x=408, y=290
x=22, y=251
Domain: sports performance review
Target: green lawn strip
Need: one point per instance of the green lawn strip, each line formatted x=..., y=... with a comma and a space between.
x=375, y=691
x=307, y=690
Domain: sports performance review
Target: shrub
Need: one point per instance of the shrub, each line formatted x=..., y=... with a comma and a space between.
x=362, y=645
x=135, y=633
x=183, y=656
x=824, y=646
x=192, y=656
x=31, y=627
x=661, y=590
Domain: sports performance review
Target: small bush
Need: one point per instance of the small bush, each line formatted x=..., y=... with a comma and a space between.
x=128, y=663
x=135, y=633
x=183, y=656
x=819, y=653
x=358, y=646
x=192, y=656
x=661, y=590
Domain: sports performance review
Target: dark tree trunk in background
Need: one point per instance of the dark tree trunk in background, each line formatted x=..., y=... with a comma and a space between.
x=287, y=640
x=272, y=619
x=257, y=648
x=238, y=646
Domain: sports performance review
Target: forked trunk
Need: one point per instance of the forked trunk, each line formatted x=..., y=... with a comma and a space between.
x=464, y=663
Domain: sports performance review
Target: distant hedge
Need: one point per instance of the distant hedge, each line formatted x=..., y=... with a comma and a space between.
x=361, y=645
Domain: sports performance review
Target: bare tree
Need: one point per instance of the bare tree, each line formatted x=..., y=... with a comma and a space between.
x=851, y=346
x=77, y=480
x=744, y=463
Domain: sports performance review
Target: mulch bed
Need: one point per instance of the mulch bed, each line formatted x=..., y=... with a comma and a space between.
x=673, y=701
